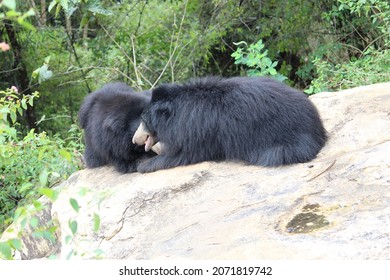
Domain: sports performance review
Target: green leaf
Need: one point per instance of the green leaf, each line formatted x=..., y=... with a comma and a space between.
x=68, y=239
x=19, y=212
x=34, y=222
x=64, y=4
x=254, y=73
x=74, y=204
x=96, y=9
x=43, y=177
x=26, y=24
x=35, y=73
x=52, y=5
x=37, y=234
x=10, y=4
x=19, y=109
x=272, y=72
x=280, y=77
x=12, y=14
x=72, y=252
x=23, y=223
x=13, y=116
x=50, y=193
x=83, y=191
x=15, y=243
x=24, y=103
x=66, y=155
x=84, y=21
x=98, y=252
x=47, y=59
x=5, y=251
x=44, y=74
x=96, y=222
x=31, y=101
x=49, y=236
x=38, y=206
x=73, y=226
x=58, y=10
x=71, y=11
x=55, y=174
x=310, y=90
x=29, y=13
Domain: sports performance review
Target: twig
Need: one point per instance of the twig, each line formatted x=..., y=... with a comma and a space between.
x=77, y=59
x=172, y=53
x=326, y=169
x=126, y=55
x=134, y=60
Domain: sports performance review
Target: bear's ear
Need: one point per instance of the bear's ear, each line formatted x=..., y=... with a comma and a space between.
x=162, y=92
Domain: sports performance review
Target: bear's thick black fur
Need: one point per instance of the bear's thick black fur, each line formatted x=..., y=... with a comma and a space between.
x=109, y=117
x=257, y=120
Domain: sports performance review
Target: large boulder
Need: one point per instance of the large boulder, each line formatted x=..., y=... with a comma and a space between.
x=334, y=207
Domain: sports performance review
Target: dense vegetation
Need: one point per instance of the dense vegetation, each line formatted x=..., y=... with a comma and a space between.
x=64, y=49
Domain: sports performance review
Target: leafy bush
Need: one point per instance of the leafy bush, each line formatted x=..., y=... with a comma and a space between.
x=358, y=60
x=369, y=19
x=31, y=161
x=369, y=69
x=255, y=57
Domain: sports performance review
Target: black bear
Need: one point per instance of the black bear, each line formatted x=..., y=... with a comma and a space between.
x=110, y=116
x=257, y=120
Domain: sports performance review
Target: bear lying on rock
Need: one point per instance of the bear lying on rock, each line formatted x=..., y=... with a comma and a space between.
x=256, y=120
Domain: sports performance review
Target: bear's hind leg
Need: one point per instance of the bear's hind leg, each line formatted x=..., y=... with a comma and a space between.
x=273, y=156
x=303, y=150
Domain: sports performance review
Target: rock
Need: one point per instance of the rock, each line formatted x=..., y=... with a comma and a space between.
x=335, y=207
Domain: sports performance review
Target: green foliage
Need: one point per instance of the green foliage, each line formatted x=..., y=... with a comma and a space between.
x=255, y=57
x=70, y=6
x=43, y=73
x=58, y=79
x=26, y=220
x=149, y=49
x=357, y=12
x=11, y=14
x=372, y=68
x=75, y=241
x=27, y=224
x=29, y=164
x=10, y=4
x=358, y=61
x=73, y=202
x=96, y=222
x=73, y=226
x=88, y=8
